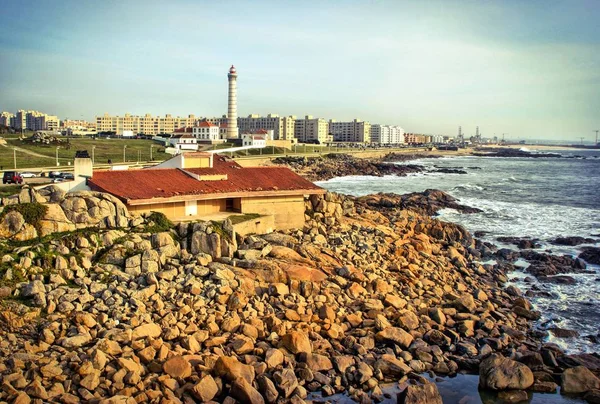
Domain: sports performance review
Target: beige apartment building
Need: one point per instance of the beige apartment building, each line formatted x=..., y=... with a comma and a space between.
x=145, y=125
x=282, y=126
x=355, y=131
x=312, y=130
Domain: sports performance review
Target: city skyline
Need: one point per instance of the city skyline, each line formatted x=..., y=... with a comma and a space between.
x=528, y=70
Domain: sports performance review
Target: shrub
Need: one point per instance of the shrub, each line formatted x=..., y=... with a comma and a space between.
x=158, y=222
x=32, y=212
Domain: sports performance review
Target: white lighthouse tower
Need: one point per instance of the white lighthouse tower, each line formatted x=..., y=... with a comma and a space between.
x=232, y=129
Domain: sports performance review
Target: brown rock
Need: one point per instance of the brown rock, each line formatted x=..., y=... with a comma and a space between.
x=316, y=362
x=178, y=367
x=243, y=391
x=499, y=373
x=206, y=389
x=578, y=380
x=424, y=394
x=396, y=335
x=146, y=330
x=296, y=342
x=232, y=369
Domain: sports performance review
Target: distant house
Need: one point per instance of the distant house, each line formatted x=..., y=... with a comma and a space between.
x=196, y=186
x=249, y=139
x=206, y=132
x=185, y=142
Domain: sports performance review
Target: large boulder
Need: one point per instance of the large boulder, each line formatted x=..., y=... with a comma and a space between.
x=54, y=221
x=424, y=394
x=88, y=208
x=499, y=373
x=579, y=380
x=396, y=335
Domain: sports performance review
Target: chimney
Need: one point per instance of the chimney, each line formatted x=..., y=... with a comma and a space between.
x=83, y=165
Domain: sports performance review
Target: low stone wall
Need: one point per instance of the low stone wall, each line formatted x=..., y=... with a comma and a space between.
x=261, y=225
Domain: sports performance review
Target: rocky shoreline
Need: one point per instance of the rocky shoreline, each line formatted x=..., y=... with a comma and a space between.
x=371, y=291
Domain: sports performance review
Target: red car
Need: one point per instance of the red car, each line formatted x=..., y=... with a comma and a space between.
x=12, y=177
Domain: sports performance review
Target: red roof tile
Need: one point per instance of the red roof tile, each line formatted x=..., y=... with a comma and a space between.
x=173, y=182
x=205, y=124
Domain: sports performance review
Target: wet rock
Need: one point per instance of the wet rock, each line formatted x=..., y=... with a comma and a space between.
x=499, y=373
x=579, y=380
x=423, y=394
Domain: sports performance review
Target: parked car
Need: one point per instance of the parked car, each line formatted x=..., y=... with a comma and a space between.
x=67, y=176
x=28, y=175
x=54, y=174
x=58, y=179
x=12, y=177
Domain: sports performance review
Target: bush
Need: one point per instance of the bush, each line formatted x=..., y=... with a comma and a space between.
x=32, y=212
x=158, y=222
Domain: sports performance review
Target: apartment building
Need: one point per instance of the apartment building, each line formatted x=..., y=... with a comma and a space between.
x=31, y=120
x=413, y=138
x=312, y=130
x=387, y=134
x=355, y=131
x=7, y=119
x=77, y=123
x=146, y=125
x=282, y=127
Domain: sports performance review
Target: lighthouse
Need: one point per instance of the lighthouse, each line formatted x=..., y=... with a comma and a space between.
x=232, y=129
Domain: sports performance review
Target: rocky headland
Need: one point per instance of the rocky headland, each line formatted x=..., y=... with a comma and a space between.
x=329, y=166
x=113, y=308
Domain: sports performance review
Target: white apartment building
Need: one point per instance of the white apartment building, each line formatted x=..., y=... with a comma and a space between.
x=355, y=131
x=437, y=139
x=146, y=125
x=31, y=120
x=6, y=119
x=312, y=130
x=206, y=131
x=282, y=127
x=387, y=134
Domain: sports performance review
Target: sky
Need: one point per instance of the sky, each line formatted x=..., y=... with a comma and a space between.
x=529, y=69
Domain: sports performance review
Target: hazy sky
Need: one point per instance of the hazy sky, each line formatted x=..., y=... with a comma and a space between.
x=526, y=68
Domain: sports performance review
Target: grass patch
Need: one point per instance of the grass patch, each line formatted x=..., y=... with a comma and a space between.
x=105, y=149
x=243, y=218
x=218, y=228
x=9, y=190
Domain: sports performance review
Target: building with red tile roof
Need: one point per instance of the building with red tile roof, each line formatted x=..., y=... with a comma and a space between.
x=195, y=185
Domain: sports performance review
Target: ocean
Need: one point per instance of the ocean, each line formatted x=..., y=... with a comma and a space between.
x=541, y=198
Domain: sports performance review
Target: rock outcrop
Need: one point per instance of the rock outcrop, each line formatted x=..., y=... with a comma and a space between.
x=361, y=296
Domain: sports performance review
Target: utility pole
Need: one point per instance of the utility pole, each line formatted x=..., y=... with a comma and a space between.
x=93, y=160
x=596, y=136
x=57, y=163
x=15, y=157
x=581, y=139
x=151, y=146
x=124, y=148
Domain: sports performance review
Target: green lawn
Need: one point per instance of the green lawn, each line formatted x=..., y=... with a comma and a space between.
x=104, y=150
